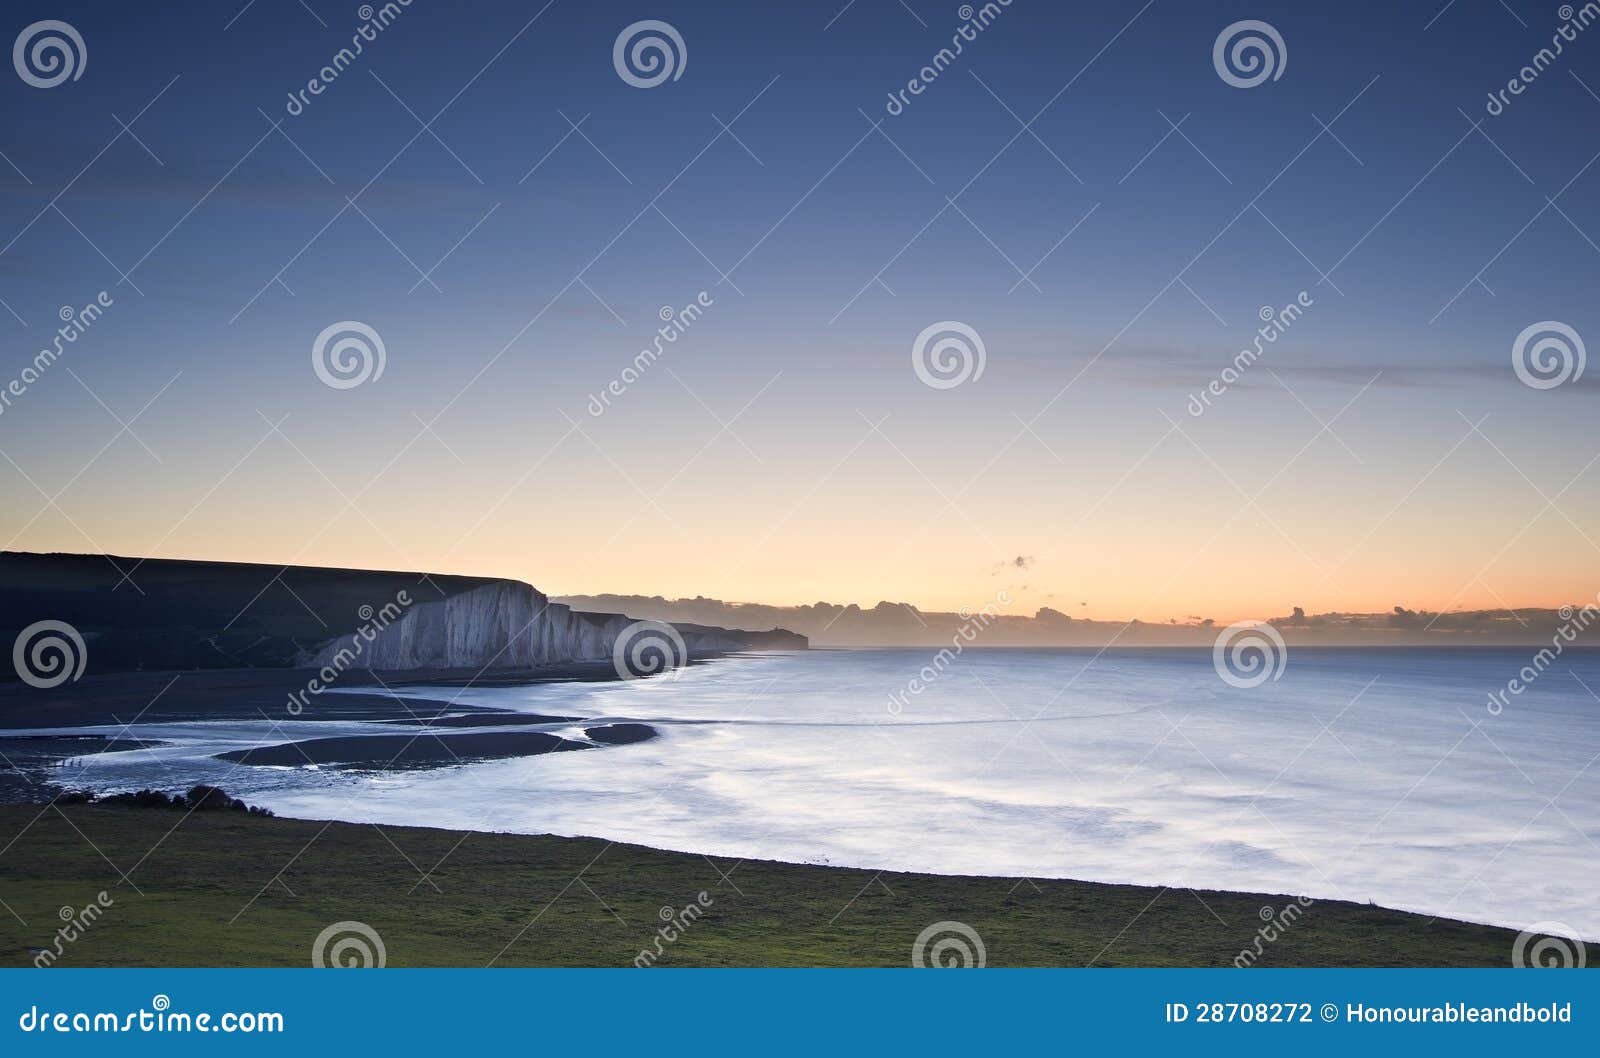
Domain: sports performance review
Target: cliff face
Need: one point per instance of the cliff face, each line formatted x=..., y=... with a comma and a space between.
x=188, y=615
x=507, y=624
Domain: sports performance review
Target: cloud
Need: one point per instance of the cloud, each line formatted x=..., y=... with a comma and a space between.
x=1177, y=368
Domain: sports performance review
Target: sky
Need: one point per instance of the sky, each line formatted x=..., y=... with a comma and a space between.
x=489, y=195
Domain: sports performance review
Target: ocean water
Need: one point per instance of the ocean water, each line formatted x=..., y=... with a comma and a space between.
x=1376, y=775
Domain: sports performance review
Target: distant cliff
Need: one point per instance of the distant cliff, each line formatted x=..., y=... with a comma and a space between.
x=171, y=615
x=890, y=624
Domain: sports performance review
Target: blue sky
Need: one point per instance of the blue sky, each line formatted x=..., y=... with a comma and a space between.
x=842, y=477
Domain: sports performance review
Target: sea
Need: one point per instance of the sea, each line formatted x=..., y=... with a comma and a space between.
x=1410, y=778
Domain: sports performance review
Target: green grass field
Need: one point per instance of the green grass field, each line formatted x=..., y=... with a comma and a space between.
x=223, y=889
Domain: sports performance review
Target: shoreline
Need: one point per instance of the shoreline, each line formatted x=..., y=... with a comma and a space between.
x=209, y=894
x=868, y=869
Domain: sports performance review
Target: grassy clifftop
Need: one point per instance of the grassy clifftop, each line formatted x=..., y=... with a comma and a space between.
x=223, y=889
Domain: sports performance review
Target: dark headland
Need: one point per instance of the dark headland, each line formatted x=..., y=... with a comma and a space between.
x=254, y=641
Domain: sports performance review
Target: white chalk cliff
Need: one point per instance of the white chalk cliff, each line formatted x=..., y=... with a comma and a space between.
x=508, y=624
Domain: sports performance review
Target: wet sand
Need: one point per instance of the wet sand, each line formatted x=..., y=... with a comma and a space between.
x=429, y=733
x=421, y=750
